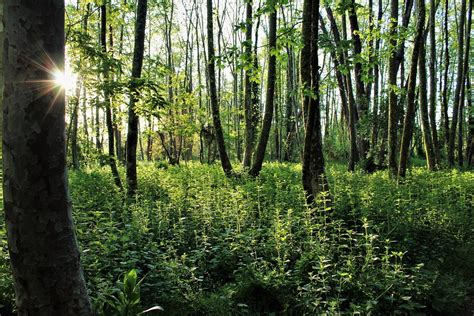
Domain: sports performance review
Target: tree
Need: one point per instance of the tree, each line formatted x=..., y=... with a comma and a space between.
x=132, y=134
x=425, y=123
x=459, y=84
x=107, y=97
x=250, y=100
x=411, y=93
x=270, y=95
x=392, y=83
x=464, y=91
x=432, y=108
x=45, y=260
x=314, y=181
x=211, y=65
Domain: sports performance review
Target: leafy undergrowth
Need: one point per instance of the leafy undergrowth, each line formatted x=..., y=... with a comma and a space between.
x=209, y=245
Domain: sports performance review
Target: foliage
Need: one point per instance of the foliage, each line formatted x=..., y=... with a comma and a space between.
x=212, y=245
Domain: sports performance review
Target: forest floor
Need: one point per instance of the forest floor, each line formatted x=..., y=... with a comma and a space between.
x=207, y=245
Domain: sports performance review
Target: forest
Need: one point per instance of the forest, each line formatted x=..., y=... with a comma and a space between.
x=237, y=157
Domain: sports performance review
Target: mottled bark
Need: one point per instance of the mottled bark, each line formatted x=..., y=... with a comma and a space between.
x=251, y=110
x=410, y=111
x=44, y=255
x=132, y=133
x=226, y=165
x=270, y=97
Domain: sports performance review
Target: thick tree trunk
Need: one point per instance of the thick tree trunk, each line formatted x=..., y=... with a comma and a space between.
x=132, y=134
x=270, y=97
x=1, y=67
x=47, y=274
x=411, y=93
x=314, y=181
x=459, y=84
x=226, y=165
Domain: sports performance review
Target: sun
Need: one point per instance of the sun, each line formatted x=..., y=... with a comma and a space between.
x=65, y=80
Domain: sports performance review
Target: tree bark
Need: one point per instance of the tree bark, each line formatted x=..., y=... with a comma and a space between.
x=470, y=135
x=108, y=112
x=345, y=88
x=270, y=97
x=44, y=255
x=75, y=118
x=361, y=94
x=314, y=180
x=444, y=105
x=459, y=84
x=376, y=125
x=432, y=109
x=410, y=111
x=132, y=134
x=392, y=95
x=250, y=102
x=425, y=123
x=463, y=89
x=226, y=165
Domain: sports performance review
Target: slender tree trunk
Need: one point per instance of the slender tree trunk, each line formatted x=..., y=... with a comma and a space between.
x=410, y=111
x=251, y=107
x=392, y=96
x=226, y=165
x=108, y=111
x=270, y=97
x=470, y=135
x=463, y=89
x=98, y=143
x=345, y=88
x=425, y=123
x=375, y=113
x=459, y=84
x=361, y=94
x=290, y=104
x=44, y=255
x=432, y=109
x=75, y=115
x=445, y=79
x=132, y=134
